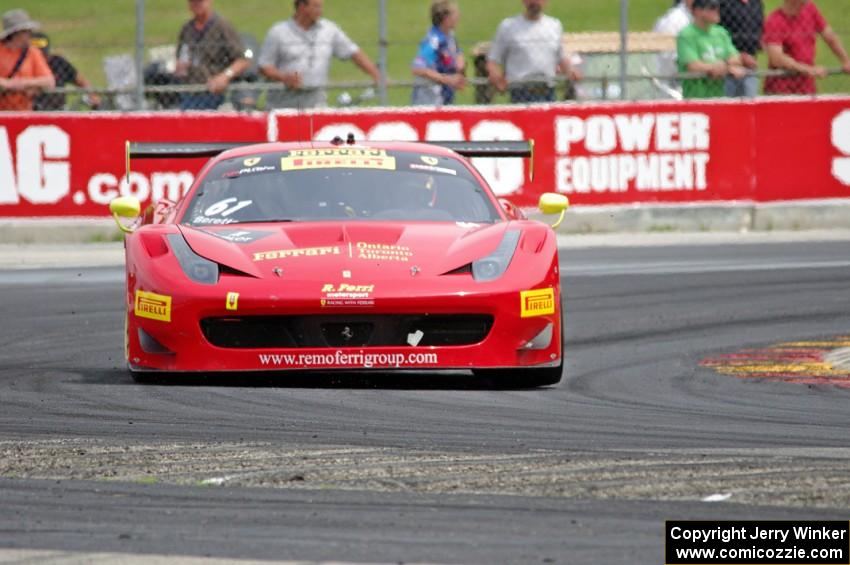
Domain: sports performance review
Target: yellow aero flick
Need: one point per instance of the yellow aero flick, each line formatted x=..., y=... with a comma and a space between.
x=537, y=302
x=333, y=158
x=153, y=306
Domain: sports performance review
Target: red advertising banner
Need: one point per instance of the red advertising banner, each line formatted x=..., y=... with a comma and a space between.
x=73, y=164
x=624, y=153
x=613, y=153
x=803, y=149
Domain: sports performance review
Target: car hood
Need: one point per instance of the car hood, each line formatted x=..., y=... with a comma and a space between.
x=315, y=250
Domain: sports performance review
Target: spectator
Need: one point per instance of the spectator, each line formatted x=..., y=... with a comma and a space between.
x=209, y=51
x=672, y=22
x=705, y=47
x=439, y=65
x=789, y=39
x=675, y=19
x=63, y=73
x=526, y=53
x=744, y=20
x=23, y=71
x=298, y=53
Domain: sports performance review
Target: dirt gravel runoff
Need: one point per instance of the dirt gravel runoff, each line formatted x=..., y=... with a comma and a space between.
x=801, y=478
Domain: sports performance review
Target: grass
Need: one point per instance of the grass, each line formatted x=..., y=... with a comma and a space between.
x=87, y=31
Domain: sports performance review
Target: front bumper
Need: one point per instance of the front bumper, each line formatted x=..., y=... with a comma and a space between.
x=180, y=344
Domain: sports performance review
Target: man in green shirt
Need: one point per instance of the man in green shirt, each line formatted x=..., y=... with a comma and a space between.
x=706, y=47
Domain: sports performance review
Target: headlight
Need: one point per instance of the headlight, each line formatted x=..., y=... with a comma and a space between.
x=494, y=265
x=196, y=267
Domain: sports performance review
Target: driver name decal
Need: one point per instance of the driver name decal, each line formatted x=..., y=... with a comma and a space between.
x=345, y=294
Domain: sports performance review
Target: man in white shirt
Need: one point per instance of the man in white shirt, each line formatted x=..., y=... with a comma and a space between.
x=526, y=53
x=672, y=22
x=298, y=54
x=675, y=19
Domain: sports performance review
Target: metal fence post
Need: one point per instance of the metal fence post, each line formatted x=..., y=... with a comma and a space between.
x=383, y=43
x=140, y=54
x=624, y=46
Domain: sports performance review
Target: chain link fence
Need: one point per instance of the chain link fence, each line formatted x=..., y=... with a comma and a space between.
x=110, y=57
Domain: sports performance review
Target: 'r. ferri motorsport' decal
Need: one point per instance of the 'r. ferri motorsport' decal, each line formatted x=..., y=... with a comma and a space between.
x=537, y=302
x=345, y=294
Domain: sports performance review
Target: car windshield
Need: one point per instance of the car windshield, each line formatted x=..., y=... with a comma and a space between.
x=345, y=183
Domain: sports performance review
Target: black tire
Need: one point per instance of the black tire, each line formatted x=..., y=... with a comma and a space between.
x=142, y=377
x=522, y=378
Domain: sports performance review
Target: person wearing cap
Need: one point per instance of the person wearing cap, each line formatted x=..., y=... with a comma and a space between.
x=705, y=47
x=63, y=73
x=210, y=52
x=298, y=52
x=23, y=71
x=789, y=39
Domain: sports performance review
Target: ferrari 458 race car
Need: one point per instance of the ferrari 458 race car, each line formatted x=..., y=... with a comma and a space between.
x=341, y=256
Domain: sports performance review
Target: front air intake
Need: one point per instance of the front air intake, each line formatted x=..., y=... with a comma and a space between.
x=283, y=332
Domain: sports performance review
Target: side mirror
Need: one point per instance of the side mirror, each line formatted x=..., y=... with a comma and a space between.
x=125, y=207
x=553, y=203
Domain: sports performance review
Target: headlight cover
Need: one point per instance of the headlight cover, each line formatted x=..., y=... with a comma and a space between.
x=494, y=265
x=194, y=266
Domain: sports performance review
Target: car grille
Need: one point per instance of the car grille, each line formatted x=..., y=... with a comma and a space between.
x=271, y=332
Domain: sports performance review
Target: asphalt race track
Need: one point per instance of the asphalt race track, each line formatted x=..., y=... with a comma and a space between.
x=423, y=468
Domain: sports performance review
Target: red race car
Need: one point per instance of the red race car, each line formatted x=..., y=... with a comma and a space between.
x=342, y=256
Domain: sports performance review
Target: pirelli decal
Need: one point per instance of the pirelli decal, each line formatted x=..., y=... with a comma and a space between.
x=349, y=158
x=537, y=302
x=153, y=306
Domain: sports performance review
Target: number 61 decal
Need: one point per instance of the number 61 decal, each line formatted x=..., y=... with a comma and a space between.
x=223, y=207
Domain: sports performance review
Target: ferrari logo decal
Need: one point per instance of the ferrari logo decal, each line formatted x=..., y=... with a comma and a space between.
x=537, y=302
x=153, y=306
x=250, y=162
x=232, y=301
x=429, y=160
x=302, y=252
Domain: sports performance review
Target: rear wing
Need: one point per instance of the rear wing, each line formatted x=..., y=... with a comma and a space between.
x=194, y=150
